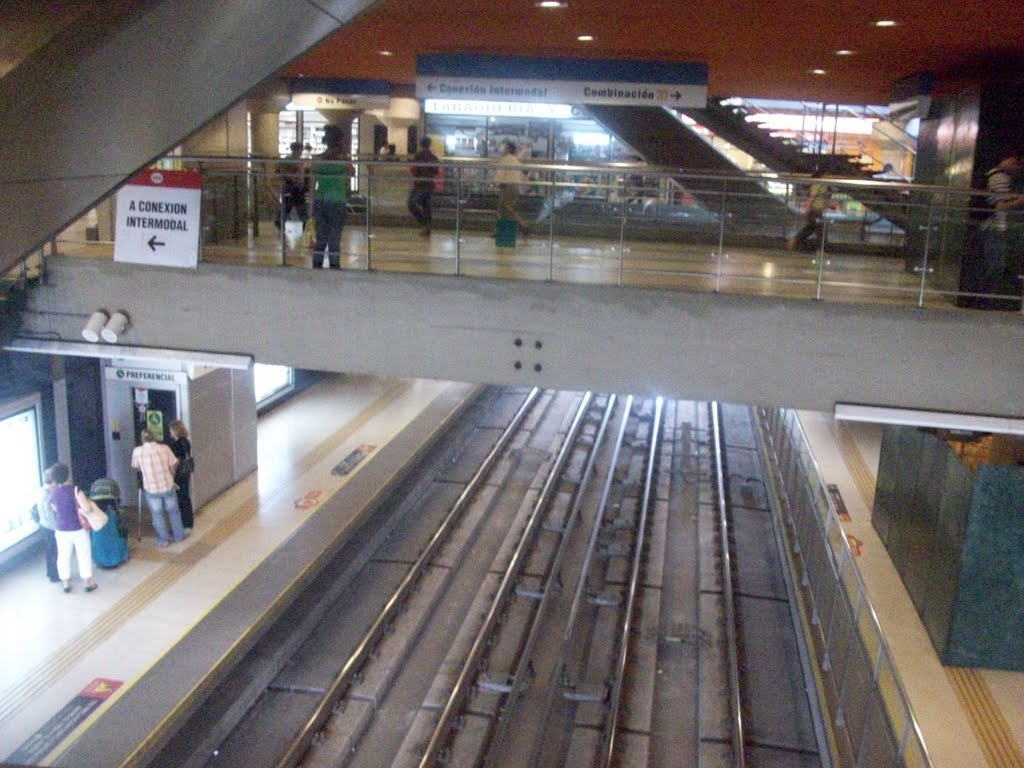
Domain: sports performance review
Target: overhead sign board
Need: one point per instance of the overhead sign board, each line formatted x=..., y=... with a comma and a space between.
x=499, y=108
x=158, y=219
x=337, y=101
x=561, y=80
x=148, y=378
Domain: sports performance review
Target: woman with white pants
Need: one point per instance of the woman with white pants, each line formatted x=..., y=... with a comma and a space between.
x=71, y=536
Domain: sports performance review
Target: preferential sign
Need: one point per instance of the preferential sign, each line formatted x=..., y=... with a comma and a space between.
x=561, y=80
x=158, y=219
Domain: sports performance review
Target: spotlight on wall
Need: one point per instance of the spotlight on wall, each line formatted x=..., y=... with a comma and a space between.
x=92, y=329
x=115, y=326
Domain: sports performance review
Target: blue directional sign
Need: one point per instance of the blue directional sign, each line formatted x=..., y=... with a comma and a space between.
x=561, y=80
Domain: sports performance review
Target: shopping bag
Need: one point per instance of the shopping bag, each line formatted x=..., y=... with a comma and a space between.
x=308, y=240
x=293, y=232
x=95, y=518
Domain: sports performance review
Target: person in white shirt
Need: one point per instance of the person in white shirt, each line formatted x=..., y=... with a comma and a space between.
x=510, y=180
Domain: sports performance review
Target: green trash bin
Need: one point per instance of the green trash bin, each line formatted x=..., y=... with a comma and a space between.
x=505, y=233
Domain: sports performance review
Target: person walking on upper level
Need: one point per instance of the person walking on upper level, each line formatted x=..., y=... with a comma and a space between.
x=71, y=536
x=811, y=234
x=157, y=464
x=181, y=447
x=424, y=169
x=990, y=263
x=510, y=181
x=330, y=197
x=294, y=175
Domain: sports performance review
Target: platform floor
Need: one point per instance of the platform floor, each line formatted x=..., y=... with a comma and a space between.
x=55, y=645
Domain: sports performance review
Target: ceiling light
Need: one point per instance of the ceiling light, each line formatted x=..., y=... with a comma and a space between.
x=551, y=4
x=385, y=53
x=885, y=23
x=585, y=38
x=845, y=52
x=817, y=71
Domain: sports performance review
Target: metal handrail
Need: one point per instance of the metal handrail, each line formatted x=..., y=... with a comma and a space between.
x=941, y=213
x=793, y=431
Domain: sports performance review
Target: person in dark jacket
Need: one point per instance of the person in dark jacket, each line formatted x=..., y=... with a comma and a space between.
x=424, y=169
x=182, y=448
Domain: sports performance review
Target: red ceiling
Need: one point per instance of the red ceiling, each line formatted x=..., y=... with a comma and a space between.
x=753, y=48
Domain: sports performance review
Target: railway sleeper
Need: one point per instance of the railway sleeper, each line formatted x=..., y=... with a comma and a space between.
x=604, y=599
x=591, y=693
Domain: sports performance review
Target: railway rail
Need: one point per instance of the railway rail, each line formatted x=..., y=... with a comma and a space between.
x=571, y=580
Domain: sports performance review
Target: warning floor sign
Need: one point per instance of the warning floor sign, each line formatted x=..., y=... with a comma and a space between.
x=158, y=219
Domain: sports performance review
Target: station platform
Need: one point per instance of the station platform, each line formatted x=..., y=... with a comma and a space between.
x=72, y=660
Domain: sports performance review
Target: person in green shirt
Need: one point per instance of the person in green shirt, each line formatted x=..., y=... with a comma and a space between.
x=330, y=198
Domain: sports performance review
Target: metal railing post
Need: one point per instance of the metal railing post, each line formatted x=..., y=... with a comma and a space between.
x=721, y=239
x=623, y=203
x=283, y=220
x=821, y=246
x=369, y=205
x=458, y=219
x=924, y=256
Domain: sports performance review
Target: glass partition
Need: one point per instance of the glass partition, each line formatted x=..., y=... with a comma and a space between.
x=628, y=224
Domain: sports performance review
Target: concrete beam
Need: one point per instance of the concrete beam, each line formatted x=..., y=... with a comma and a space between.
x=753, y=350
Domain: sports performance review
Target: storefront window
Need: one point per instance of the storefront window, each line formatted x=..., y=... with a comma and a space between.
x=564, y=139
x=20, y=469
x=312, y=129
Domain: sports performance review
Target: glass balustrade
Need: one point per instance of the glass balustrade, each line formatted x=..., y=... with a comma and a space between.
x=624, y=224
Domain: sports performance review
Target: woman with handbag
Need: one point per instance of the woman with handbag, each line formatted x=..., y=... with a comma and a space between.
x=182, y=449
x=71, y=535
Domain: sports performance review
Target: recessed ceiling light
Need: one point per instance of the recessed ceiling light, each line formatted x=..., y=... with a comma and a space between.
x=817, y=71
x=385, y=53
x=845, y=52
x=551, y=4
x=585, y=38
x=885, y=23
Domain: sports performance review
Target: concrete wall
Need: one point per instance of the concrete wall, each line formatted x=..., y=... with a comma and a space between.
x=222, y=408
x=754, y=350
x=65, y=145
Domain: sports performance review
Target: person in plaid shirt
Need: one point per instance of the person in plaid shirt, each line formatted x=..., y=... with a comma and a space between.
x=157, y=463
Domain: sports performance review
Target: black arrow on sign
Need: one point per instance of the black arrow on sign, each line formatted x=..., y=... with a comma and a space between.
x=153, y=243
x=677, y=95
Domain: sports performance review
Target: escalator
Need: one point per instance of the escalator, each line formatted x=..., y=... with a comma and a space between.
x=731, y=124
x=662, y=140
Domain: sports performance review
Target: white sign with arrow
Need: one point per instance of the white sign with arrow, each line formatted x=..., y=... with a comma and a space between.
x=158, y=218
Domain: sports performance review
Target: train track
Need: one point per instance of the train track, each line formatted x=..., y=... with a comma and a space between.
x=572, y=580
